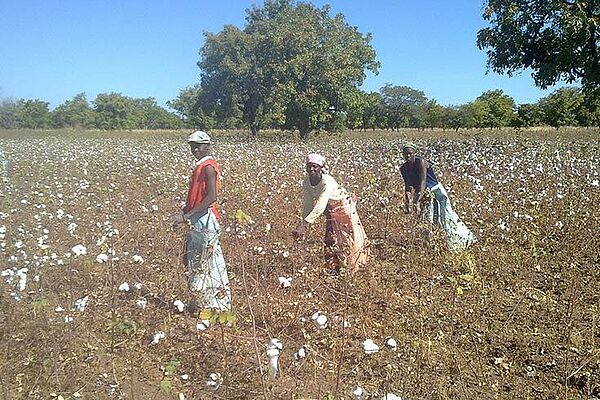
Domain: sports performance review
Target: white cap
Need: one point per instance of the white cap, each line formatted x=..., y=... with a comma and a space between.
x=199, y=137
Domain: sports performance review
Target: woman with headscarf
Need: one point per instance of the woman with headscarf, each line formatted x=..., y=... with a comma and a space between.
x=425, y=197
x=346, y=243
x=207, y=272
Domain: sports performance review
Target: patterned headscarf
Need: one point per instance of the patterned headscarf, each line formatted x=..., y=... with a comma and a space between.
x=318, y=159
x=315, y=158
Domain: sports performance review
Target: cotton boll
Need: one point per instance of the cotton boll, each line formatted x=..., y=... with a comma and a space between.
x=157, y=337
x=391, y=396
x=301, y=353
x=141, y=303
x=138, y=259
x=101, y=258
x=370, y=347
x=124, y=287
x=81, y=304
x=179, y=305
x=214, y=381
x=390, y=342
x=203, y=325
x=79, y=250
x=274, y=347
x=358, y=393
x=320, y=320
x=285, y=282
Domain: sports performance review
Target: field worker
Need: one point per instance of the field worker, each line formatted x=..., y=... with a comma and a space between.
x=432, y=206
x=346, y=243
x=207, y=273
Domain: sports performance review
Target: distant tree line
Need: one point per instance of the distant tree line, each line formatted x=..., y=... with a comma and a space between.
x=108, y=111
x=296, y=67
x=392, y=108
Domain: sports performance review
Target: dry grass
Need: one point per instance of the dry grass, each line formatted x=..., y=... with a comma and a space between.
x=515, y=317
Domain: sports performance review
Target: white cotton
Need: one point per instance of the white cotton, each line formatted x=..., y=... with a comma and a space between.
x=138, y=259
x=79, y=250
x=101, y=258
x=391, y=396
x=390, y=342
x=157, y=337
x=370, y=347
x=358, y=393
x=81, y=303
x=285, y=282
x=141, y=303
x=203, y=325
x=214, y=381
x=22, y=275
x=179, y=305
x=274, y=347
x=320, y=320
x=124, y=287
x=301, y=353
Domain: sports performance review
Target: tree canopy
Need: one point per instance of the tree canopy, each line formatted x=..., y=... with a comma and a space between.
x=557, y=39
x=290, y=66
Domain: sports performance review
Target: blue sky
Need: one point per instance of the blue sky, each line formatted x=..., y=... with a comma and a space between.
x=53, y=49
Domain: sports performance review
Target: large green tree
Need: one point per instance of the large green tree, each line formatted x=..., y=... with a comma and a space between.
x=562, y=107
x=500, y=108
x=404, y=106
x=288, y=67
x=74, y=113
x=557, y=39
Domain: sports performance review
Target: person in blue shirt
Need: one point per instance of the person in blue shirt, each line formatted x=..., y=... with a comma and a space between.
x=427, y=199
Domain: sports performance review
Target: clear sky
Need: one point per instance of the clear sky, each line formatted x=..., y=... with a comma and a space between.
x=53, y=49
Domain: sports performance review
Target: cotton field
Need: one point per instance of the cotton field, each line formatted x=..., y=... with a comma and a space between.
x=94, y=301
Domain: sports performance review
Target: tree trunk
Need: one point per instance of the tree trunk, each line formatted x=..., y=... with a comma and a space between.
x=254, y=129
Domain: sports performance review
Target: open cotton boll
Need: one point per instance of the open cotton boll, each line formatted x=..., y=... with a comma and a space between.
x=22, y=274
x=101, y=258
x=81, y=304
x=275, y=343
x=79, y=250
x=141, y=303
x=285, y=282
x=390, y=342
x=157, y=337
x=138, y=259
x=320, y=320
x=370, y=347
x=301, y=353
x=391, y=396
x=179, y=305
x=203, y=325
x=214, y=381
x=274, y=347
x=124, y=287
x=358, y=393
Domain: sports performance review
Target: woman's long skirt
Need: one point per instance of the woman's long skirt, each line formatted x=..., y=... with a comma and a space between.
x=207, y=272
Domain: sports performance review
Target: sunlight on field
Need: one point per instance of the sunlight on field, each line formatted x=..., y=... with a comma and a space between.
x=92, y=281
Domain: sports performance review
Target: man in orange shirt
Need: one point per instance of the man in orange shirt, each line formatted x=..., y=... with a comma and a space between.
x=207, y=271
